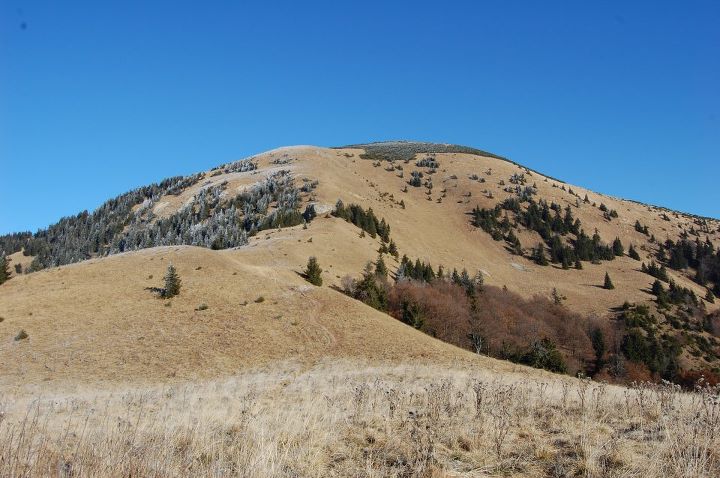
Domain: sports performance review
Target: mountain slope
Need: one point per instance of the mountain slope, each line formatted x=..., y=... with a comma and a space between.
x=101, y=306
x=95, y=322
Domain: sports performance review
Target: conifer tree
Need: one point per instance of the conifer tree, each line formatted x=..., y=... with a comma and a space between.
x=515, y=246
x=598, y=344
x=539, y=255
x=4, y=269
x=172, y=282
x=608, y=283
x=381, y=269
x=313, y=272
x=372, y=290
x=578, y=264
x=633, y=253
x=617, y=246
x=392, y=249
x=657, y=288
x=710, y=297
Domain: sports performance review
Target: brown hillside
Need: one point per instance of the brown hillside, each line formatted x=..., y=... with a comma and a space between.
x=95, y=322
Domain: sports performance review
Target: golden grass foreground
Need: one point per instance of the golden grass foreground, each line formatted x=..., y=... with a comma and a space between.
x=356, y=418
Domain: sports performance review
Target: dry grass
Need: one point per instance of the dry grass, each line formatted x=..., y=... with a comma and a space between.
x=360, y=419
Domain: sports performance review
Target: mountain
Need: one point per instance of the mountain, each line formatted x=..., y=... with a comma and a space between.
x=442, y=205
x=436, y=261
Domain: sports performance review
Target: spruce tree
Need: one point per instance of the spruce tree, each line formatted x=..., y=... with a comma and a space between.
x=617, y=246
x=633, y=253
x=392, y=249
x=4, y=269
x=172, y=282
x=381, y=269
x=598, y=343
x=657, y=288
x=312, y=272
x=608, y=283
x=539, y=255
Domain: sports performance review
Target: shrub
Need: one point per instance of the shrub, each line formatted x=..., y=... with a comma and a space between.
x=260, y=300
x=202, y=306
x=22, y=335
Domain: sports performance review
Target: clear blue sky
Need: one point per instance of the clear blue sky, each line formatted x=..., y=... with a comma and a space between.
x=97, y=98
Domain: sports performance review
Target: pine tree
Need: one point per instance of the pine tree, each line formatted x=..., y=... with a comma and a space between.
x=578, y=264
x=710, y=297
x=539, y=255
x=371, y=289
x=633, y=253
x=313, y=272
x=392, y=249
x=608, y=283
x=381, y=269
x=515, y=246
x=617, y=246
x=598, y=343
x=4, y=269
x=172, y=282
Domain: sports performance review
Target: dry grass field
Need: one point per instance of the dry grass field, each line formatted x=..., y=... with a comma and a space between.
x=252, y=371
x=354, y=418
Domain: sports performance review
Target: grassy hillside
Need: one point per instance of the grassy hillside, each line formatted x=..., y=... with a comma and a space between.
x=251, y=370
x=461, y=214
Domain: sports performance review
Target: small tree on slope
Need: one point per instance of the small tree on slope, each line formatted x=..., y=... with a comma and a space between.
x=313, y=271
x=4, y=268
x=608, y=283
x=172, y=282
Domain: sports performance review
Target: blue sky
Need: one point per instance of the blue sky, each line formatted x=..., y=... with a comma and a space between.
x=97, y=98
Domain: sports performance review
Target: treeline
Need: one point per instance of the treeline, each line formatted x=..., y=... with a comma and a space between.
x=552, y=223
x=364, y=219
x=127, y=222
x=458, y=308
x=643, y=344
x=212, y=221
x=86, y=235
x=700, y=256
